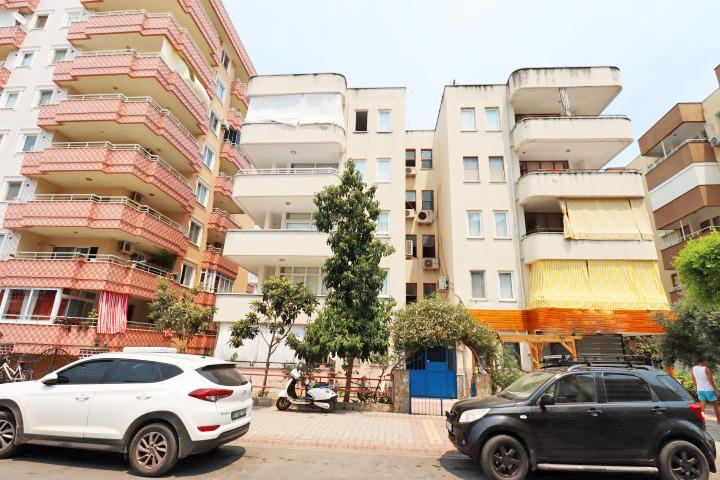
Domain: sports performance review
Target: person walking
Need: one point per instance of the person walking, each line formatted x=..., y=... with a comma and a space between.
x=705, y=386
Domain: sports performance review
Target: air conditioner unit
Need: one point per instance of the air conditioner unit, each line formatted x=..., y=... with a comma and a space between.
x=425, y=216
x=431, y=264
x=715, y=141
x=410, y=171
x=409, y=213
x=409, y=247
x=442, y=283
x=136, y=197
x=126, y=247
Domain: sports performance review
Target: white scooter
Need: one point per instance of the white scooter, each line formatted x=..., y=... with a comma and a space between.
x=320, y=396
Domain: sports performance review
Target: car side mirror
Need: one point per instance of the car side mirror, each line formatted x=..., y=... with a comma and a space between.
x=50, y=379
x=546, y=399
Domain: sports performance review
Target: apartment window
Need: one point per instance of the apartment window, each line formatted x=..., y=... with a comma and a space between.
x=29, y=143
x=311, y=277
x=705, y=225
x=492, y=119
x=225, y=60
x=471, y=169
x=383, y=170
x=428, y=200
x=220, y=90
x=201, y=193
x=26, y=59
x=412, y=239
x=59, y=54
x=384, y=121
x=383, y=223
x=214, y=123
x=426, y=158
x=384, y=290
x=360, y=168
x=361, y=121
x=428, y=246
x=187, y=274
x=411, y=293
x=507, y=291
x=477, y=282
x=208, y=156
x=11, y=99
x=410, y=200
x=501, y=225
x=195, y=232
x=497, y=169
x=468, y=119
x=526, y=167
x=429, y=289
x=45, y=97
x=12, y=191
x=715, y=220
x=41, y=21
x=300, y=221
x=410, y=158
x=73, y=17
x=543, y=222
x=474, y=218
x=673, y=279
x=686, y=231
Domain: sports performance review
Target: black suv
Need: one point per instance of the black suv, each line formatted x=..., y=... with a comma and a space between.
x=586, y=418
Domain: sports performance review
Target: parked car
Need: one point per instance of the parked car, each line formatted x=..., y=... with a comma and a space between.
x=150, y=404
x=586, y=417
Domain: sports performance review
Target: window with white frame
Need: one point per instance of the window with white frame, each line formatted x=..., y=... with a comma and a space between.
x=311, y=277
x=384, y=121
x=72, y=16
x=220, y=90
x=471, y=169
x=225, y=61
x=507, y=289
x=3, y=236
x=11, y=99
x=187, y=274
x=467, y=116
x=501, y=225
x=45, y=97
x=300, y=221
x=497, y=169
x=30, y=304
x=216, y=282
x=58, y=55
x=360, y=168
x=12, y=190
x=477, y=283
x=474, y=218
x=208, y=156
x=201, y=192
x=492, y=119
x=26, y=59
x=29, y=142
x=385, y=290
x=383, y=223
x=383, y=170
x=214, y=123
x=41, y=21
x=195, y=231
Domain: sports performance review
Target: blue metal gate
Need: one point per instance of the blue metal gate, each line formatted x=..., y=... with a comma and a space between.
x=432, y=373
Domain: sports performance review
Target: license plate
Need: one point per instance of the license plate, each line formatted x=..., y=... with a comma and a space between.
x=449, y=426
x=238, y=414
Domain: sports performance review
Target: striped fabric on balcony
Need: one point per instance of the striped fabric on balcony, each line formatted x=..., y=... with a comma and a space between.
x=112, y=313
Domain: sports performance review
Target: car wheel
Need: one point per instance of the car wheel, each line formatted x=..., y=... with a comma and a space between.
x=282, y=403
x=504, y=458
x=680, y=460
x=8, y=432
x=153, y=450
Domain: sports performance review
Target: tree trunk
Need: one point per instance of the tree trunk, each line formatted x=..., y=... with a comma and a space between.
x=348, y=379
x=267, y=365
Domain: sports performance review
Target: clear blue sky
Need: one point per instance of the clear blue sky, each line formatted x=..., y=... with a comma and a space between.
x=666, y=49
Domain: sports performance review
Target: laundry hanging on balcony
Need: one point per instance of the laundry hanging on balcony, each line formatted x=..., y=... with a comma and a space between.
x=606, y=219
x=112, y=313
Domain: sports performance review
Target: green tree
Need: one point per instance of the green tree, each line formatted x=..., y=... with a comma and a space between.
x=353, y=323
x=175, y=309
x=698, y=267
x=690, y=334
x=282, y=303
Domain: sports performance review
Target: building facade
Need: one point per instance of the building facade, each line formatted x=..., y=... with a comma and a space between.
x=679, y=158
x=119, y=127
x=504, y=207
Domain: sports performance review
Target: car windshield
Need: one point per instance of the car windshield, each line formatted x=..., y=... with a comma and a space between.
x=523, y=387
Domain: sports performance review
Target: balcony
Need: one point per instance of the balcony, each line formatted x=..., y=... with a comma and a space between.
x=219, y=222
x=23, y=6
x=232, y=159
x=553, y=246
x=135, y=74
x=252, y=249
x=238, y=95
x=537, y=189
x=93, y=216
x=277, y=189
x=73, y=165
x=188, y=14
x=213, y=259
x=689, y=152
x=536, y=91
x=672, y=248
x=585, y=142
x=143, y=32
x=231, y=306
x=11, y=38
x=4, y=75
x=264, y=143
x=234, y=118
x=683, y=121
x=695, y=187
x=223, y=189
x=120, y=119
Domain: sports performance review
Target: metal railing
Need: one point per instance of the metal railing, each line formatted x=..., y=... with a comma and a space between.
x=555, y=171
x=222, y=213
x=684, y=238
x=288, y=171
x=120, y=200
x=213, y=249
x=573, y=117
x=672, y=152
x=533, y=231
x=98, y=258
x=124, y=147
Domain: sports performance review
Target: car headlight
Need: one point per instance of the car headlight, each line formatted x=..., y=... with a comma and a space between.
x=469, y=416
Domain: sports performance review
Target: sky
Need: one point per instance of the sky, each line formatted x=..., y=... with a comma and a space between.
x=666, y=49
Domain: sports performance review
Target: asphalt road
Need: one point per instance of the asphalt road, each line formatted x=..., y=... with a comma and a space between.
x=257, y=462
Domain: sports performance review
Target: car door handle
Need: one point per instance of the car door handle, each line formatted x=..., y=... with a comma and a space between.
x=82, y=397
x=659, y=410
x=144, y=397
x=594, y=412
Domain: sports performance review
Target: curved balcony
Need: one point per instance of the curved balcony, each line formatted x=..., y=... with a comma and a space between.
x=219, y=222
x=24, y=6
x=4, y=75
x=264, y=143
x=535, y=189
x=120, y=119
x=73, y=165
x=189, y=14
x=238, y=95
x=223, y=190
x=232, y=159
x=696, y=150
x=141, y=31
x=118, y=218
x=135, y=74
x=585, y=142
x=213, y=259
x=234, y=118
x=258, y=191
x=11, y=38
x=553, y=246
x=252, y=249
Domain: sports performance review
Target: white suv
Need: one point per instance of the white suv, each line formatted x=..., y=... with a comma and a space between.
x=152, y=405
